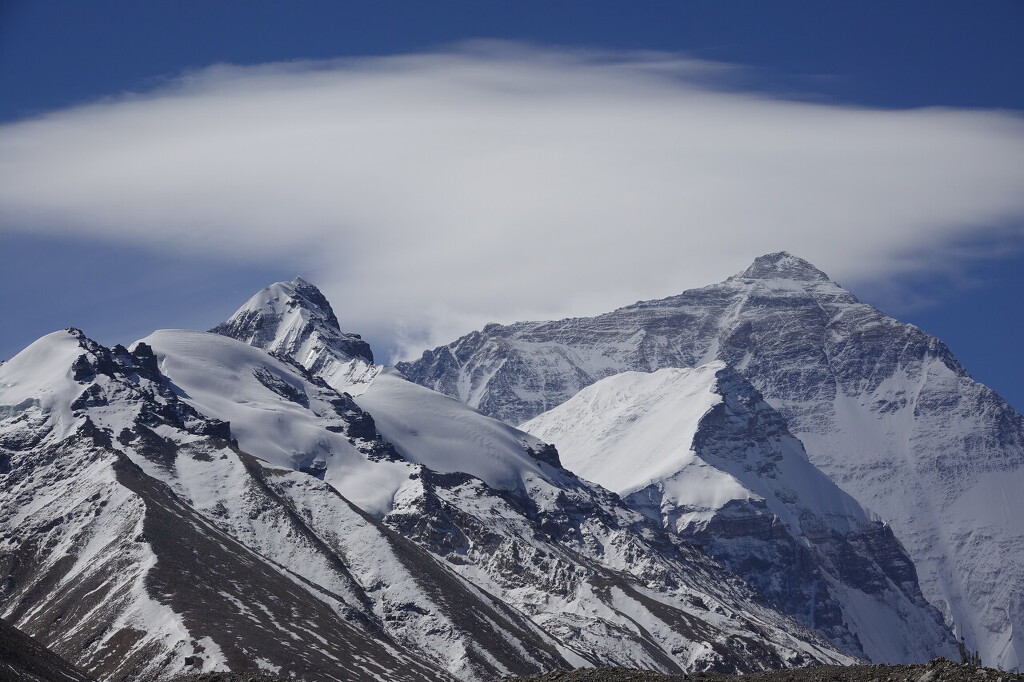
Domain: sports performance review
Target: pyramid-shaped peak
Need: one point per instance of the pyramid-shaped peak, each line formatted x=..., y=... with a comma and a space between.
x=300, y=293
x=290, y=318
x=783, y=265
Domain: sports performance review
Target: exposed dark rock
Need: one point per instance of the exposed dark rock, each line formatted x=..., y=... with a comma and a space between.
x=281, y=387
x=23, y=659
x=938, y=670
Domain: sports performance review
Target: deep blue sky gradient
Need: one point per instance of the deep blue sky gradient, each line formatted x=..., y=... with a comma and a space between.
x=56, y=53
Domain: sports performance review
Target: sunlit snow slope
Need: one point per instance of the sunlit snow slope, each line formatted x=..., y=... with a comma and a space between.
x=139, y=542
x=699, y=450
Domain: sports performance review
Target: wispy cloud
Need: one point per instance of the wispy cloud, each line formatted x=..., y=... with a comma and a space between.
x=430, y=193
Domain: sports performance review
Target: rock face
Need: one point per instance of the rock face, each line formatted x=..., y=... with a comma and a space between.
x=195, y=503
x=701, y=452
x=882, y=408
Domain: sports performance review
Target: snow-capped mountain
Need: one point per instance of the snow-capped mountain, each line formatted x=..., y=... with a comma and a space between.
x=494, y=503
x=700, y=451
x=883, y=409
x=195, y=503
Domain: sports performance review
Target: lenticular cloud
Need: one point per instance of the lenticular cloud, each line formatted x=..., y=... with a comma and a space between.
x=493, y=181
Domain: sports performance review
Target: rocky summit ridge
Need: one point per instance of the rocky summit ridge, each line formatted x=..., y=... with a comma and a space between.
x=265, y=496
x=295, y=320
x=782, y=265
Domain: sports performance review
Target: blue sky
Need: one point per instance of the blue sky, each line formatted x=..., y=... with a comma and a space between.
x=905, y=105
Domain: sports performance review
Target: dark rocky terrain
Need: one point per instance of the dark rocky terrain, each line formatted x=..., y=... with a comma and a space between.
x=23, y=659
x=233, y=677
x=939, y=670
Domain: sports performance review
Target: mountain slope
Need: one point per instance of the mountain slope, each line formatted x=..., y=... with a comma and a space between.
x=22, y=659
x=883, y=409
x=700, y=451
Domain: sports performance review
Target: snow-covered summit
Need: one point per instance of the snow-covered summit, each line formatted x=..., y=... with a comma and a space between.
x=496, y=505
x=295, y=320
x=132, y=522
x=782, y=265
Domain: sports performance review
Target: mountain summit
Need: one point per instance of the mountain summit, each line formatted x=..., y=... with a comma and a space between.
x=295, y=320
x=783, y=265
x=701, y=452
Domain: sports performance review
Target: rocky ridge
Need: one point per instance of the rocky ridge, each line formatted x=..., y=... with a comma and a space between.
x=295, y=320
x=568, y=554
x=938, y=670
x=138, y=540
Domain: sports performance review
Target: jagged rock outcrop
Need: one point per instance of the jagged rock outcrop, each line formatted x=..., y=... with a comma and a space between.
x=497, y=506
x=139, y=541
x=295, y=320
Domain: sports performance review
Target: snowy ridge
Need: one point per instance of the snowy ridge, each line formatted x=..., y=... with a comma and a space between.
x=701, y=452
x=180, y=550
x=278, y=414
x=440, y=433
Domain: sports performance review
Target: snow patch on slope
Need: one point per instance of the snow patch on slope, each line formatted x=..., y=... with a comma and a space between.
x=220, y=376
x=445, y=435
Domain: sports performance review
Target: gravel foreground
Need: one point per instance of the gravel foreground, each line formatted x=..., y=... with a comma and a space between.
x=939, y=670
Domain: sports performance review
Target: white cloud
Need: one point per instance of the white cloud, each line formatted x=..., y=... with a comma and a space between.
x=430, y=193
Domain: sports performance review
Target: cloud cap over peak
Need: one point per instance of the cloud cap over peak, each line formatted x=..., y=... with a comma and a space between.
x=430, y=193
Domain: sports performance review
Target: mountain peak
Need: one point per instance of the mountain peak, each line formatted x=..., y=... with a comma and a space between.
x=294, y=319
x=783, y=265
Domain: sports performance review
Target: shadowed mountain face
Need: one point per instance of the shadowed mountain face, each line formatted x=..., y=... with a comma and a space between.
x=882, y=408
x=22, y=659
x=195, y=503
